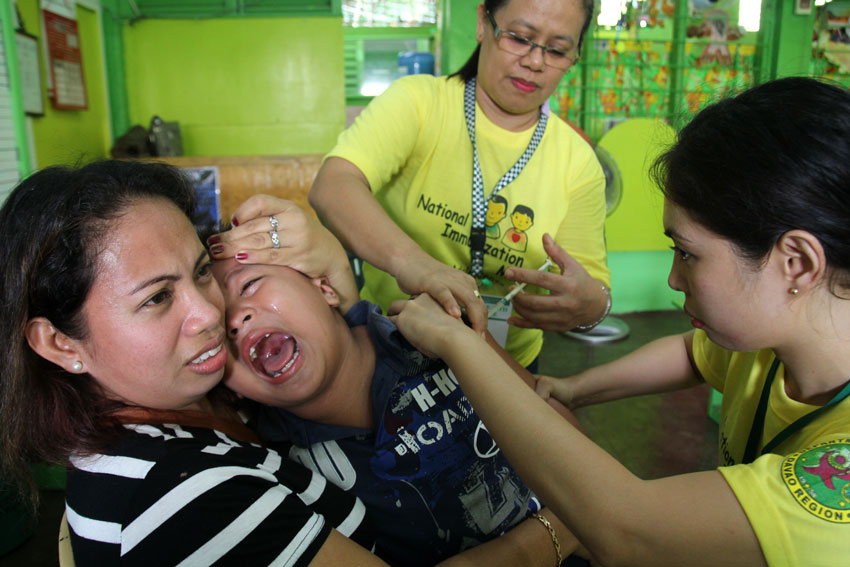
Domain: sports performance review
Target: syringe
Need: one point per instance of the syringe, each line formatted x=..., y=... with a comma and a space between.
x=507, y=299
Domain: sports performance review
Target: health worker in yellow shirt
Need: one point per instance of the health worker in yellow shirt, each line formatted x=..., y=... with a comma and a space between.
x=461, y=186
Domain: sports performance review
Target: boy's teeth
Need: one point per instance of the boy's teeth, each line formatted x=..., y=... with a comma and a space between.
x=252, y=354
x=290, y=363
x=207, y=354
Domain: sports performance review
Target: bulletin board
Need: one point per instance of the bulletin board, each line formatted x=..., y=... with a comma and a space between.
x=628, y=73
x=65, y=62
x=27, y=47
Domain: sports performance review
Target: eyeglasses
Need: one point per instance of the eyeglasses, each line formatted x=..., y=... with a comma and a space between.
x=514, y=43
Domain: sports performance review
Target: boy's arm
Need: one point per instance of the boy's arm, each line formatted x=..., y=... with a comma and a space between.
x=529, y=379
x=305, y=245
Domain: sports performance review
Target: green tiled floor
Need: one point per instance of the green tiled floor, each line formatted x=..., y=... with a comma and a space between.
x=652, y=436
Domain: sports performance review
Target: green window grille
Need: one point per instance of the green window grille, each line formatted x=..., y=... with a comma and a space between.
x=197, y=9
x=389, y=13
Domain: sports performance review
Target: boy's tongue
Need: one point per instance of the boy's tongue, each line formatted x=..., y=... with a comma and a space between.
x=273, y=352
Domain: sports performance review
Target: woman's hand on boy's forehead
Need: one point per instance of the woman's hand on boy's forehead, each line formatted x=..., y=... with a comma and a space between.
x=302, y=243
x=268, y=230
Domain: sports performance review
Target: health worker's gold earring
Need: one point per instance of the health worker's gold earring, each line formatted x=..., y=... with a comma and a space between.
x=793, y=290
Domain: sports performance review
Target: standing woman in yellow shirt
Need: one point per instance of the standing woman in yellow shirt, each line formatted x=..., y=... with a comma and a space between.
x=452, y=185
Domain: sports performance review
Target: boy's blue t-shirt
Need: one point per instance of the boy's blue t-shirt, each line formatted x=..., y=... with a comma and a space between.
x=433, y=480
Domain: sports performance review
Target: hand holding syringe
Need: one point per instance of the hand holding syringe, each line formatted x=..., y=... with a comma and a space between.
x=507, y=299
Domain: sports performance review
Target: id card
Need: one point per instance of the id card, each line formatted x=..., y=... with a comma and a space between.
x=497, y=324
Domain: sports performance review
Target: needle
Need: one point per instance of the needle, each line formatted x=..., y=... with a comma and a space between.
x=505, y=300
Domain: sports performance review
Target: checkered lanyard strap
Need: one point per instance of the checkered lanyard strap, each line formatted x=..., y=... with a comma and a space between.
x=477, y=235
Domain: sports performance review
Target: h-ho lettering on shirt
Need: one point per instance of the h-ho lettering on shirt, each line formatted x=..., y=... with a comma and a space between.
x=442, y=383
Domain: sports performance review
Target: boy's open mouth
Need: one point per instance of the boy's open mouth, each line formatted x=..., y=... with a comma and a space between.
x=273, y=354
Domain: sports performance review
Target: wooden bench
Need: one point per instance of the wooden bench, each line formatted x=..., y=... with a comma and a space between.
x=288, y=177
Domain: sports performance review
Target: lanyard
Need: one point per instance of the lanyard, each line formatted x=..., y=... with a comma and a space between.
x=477, y=234
x=758, y=421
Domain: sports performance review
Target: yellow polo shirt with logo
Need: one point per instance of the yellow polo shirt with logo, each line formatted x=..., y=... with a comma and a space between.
x=412, y=145
x=797, y=499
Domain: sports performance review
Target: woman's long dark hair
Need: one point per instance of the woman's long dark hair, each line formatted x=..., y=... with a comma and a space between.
x=470, y=68
x=51, y=231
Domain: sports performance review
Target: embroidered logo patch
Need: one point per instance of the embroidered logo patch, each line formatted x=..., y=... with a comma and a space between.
x=819, y=479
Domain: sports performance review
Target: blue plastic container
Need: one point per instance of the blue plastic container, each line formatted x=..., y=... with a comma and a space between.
x=415, y=63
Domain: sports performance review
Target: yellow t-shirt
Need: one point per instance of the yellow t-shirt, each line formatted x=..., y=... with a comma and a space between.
x=412, y=145
x=798, y=498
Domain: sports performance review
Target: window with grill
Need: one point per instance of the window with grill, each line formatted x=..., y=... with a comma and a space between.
x=9, y=170
x=389, y=13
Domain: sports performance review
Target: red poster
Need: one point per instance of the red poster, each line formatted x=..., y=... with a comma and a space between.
x=65, y=61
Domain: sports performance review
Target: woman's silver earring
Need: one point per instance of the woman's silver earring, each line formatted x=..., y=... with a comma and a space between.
x=77, y=366
x=793, y=290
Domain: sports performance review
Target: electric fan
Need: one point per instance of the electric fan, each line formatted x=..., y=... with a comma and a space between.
x=611, y=328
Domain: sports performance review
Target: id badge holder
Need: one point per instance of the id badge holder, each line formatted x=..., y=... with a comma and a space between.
x=497, y=324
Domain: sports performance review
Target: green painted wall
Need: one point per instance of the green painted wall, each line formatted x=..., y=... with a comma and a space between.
x=66, y=136
x=638, y=251
x=458, y=37
x=639, y=281
x=636, y=223
x=239, y=86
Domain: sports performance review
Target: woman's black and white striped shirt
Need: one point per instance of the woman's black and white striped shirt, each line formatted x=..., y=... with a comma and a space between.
x=180, y=495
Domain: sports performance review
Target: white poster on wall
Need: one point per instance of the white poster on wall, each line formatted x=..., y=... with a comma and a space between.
x=65, y=8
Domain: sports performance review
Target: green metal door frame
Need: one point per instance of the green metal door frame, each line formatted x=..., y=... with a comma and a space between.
x=15, y=89
x=116, y=77
x=785, y=41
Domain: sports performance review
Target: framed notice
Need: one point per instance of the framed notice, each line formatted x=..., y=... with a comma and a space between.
x=65, y=62
x=27, y=47
x=803, y=6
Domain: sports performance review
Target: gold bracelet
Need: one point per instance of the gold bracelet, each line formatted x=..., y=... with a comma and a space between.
x=552, y=533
